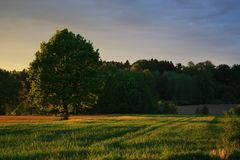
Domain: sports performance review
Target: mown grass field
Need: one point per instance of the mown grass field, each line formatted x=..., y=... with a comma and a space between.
x=110, y=137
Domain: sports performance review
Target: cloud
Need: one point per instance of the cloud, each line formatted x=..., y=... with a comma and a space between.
x=129, y=29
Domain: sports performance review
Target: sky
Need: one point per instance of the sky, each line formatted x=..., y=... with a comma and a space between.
x=175, y=30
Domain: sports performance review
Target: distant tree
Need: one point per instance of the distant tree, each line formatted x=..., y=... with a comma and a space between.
x=204, y=110
x=127, y=65
x=191, y=64
x=64, y=73
x=115, y=65
x=127, y=92
x=235, y=71
x=179, y=67
x=205, y=83
x=165, y=107
x=198, y=111
x=235, y=81
x=190, y=68
x=153, y=65
x=9, y=95
x=150, y=79
x=23, y=107
x=22, y=77
x=136, y=67
x=178, y=87
x=207, y=65
x=223, y=73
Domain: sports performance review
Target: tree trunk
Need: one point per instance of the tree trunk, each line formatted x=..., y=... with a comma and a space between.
x=65, y=109
x=65, y=112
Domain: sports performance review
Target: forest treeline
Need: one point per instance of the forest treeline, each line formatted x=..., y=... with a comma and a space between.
x=67, y=76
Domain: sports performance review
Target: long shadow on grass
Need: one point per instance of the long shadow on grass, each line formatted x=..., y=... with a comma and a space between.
x=119, y=143
x=82, y=154
x=167, y=138
x=25, y=128
x=192, y=156
x=54, y=134
x=113, y=132
x=86, y=140
x=89, y=134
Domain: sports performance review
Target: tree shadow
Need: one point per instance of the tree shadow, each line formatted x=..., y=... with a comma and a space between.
x=82, y=154
x=234, y=156
x=192, y=156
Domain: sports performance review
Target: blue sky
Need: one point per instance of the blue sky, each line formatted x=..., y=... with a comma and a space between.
x=176, y=30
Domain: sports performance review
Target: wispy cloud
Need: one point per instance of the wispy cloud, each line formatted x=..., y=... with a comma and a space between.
x=178, y=30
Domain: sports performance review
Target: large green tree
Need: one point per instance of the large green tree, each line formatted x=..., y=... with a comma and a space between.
x=64, y=73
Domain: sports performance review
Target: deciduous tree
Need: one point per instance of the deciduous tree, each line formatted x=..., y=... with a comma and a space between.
x=64, y=73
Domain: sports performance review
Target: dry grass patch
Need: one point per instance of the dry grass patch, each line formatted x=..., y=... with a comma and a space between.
x=19, y=119
x=103, y=117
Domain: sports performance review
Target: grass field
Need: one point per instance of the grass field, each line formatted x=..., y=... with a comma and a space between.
x=110, y=137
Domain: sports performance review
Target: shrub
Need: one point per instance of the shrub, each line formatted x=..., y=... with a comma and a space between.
x=165, y=107
x=204, y=110
x=198, y=111
x=231, y=135
x=235, y=111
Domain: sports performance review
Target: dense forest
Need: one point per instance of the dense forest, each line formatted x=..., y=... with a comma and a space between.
x=67, y=76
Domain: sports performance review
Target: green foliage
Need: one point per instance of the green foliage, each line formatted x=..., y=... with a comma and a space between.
x=234, y=111
x=202, y=111
x=223, y=73
x=127, y=92
x=165, y=107
x=228, y=97
x=64, y=72
x=178, y=87
x=205, y=66
x=9, y=86
x=231, y=135
x=153, y=65
x=25, y=109
x=198, y=111
x=205, y=86
x=230, y=138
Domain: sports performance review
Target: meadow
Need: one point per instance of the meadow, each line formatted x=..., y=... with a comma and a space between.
x=110, y=137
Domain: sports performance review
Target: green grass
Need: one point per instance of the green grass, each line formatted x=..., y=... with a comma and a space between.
x=146, y=137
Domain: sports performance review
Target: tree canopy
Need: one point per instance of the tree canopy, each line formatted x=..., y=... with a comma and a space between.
x=64, y=73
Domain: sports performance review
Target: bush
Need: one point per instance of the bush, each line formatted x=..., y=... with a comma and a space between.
x=198, y=111
x=235, y=111
x=165, y=107
x=202, y=111
x=231, y=135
